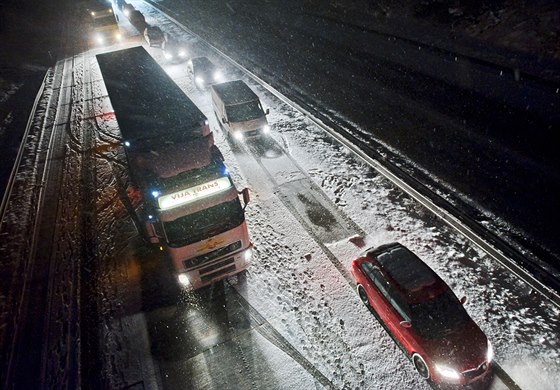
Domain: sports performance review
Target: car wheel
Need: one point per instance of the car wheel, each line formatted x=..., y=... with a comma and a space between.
x=363, y=295
x=420, y=366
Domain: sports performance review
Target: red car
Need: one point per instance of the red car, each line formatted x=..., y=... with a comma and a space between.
x=422, y=315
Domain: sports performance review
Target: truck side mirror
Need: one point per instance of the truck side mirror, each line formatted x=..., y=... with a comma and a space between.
x=246, y=197
x=267, y=111
x=224, y=120
x=463, y=300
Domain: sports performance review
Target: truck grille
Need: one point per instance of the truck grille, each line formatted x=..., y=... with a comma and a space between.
x=206, y=274
x=199, y=260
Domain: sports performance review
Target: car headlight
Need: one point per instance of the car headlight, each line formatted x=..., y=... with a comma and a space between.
x=184, y=280
x=217, y=75
x=167, y=56
x=238, y=135
x=489, y=352
x=266, y=129
x=448, y=372
x=199, y=80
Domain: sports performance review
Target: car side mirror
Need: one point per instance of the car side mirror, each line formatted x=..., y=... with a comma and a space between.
x=246, y=197
x=405, y=324
x=464, y=300
x=267, y=111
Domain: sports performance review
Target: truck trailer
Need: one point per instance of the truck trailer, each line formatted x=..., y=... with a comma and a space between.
x=190, y=205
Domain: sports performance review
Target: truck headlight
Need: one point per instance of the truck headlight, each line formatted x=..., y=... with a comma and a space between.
x=168, y=56
x=99, y=39
x=248, y=254
x=182, y=53
x=448, y=372
x=199, y=80
x=217, y=75
x=119, y=37
x=238, y=135
x=184, y=280
x=266, y=129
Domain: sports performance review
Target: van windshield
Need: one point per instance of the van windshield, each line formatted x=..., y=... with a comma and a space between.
x=244, y=112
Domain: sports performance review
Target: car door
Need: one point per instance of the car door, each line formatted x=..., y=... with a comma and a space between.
x=376, y=290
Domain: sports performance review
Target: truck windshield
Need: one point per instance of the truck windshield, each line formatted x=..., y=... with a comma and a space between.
x=204, y=224
x=244, y=112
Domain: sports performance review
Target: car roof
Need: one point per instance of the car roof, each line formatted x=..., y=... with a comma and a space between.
x=408, y=272
x=201, y=61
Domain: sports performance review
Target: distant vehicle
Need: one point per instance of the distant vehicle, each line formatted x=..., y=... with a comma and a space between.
x=105, y=26
x=154, y=36
x=174, y=50
x=138, y=20
x=203, y=72
x=239, y=110
x=423, y=315
x=127, y=9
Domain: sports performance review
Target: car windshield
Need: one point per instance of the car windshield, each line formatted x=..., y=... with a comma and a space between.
x=438, y=316
x=244, y=112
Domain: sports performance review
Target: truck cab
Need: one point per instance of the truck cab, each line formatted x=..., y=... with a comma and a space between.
x=239, y=110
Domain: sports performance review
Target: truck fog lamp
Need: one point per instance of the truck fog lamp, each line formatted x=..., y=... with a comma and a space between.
x=248, y=255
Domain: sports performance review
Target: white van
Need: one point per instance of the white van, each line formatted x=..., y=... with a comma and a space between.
x=239, y=110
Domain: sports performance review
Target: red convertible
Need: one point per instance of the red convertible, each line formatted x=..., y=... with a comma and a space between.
x=422, y=315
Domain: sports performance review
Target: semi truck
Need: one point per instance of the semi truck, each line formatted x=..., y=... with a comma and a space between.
x=190, y=205
x=105, y=25
x=239, y=110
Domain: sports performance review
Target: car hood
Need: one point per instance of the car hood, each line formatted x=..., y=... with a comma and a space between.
x=464, y=348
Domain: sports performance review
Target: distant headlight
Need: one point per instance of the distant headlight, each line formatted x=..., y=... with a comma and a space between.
x=184, y=280
x=489, y=352
x=217, y=75
x=238, y=135
x=266, y=129
x=448, y=372
x=199, y=80
x=168, y=56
